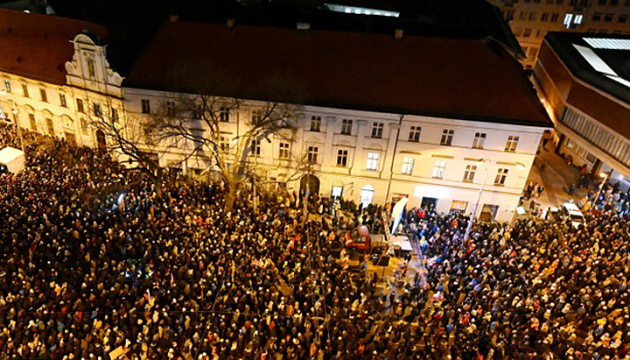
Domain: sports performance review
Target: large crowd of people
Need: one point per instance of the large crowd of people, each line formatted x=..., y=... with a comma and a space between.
x=96, y=262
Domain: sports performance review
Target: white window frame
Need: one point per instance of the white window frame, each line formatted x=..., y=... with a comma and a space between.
x=439, y=169
x=407, y=167
x=342, y=157
x=372, y=161
x=469, y=173
x=502, y=174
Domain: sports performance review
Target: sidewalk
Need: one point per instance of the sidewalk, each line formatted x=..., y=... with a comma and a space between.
x=556, y=176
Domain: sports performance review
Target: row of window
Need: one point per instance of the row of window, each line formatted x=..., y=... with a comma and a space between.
x=622, y=18
x=600, y=137
x=414, y=134
x=96, y=107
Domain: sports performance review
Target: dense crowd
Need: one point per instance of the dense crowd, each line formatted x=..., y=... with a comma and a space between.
x=94, y=260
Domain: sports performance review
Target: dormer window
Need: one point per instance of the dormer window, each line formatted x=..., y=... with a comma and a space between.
x=91, y=68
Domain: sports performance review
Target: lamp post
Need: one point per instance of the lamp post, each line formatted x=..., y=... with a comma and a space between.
x=601, y=187
x=474, y=211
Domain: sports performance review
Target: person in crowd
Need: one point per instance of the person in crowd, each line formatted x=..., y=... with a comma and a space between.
x=96, y=260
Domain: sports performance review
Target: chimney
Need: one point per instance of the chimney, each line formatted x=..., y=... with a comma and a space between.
x=230, y=23
x=304, y=26
x=398, y=34
x=173, y=18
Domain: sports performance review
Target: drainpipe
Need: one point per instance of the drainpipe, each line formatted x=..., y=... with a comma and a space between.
x=391, y=168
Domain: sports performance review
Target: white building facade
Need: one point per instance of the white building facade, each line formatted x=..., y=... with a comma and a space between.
x=371, y=157
x=361, y=155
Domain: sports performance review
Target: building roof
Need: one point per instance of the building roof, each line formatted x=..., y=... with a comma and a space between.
x=457, y=78
x=38, y=46
x=601, y=60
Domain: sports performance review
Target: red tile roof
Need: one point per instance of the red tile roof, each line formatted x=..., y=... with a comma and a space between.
x=458, y=78
x=38, y=46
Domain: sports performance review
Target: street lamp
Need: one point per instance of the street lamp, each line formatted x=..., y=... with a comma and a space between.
x=605, y=177
x=474, y=211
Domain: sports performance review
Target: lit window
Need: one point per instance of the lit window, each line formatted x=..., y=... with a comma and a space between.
x=342, y=158
x=377, y=130
x=512, y=141
x=372, y=163
x=480, y=138
x=313, y=151
x=469, y=174
x=439, y=169
x=501, y=175
x=7, y=85
x=316, y=123
x=284, y=150
x=567, y=20
x=578, y=19
x=407, y=167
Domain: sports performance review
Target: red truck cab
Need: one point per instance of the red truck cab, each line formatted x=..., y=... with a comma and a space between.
x=358, y=238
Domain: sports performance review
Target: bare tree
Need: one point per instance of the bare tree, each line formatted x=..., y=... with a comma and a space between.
x=130, y=140
x=226, y=131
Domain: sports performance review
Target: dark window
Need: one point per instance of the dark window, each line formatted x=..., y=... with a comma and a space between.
x=316, y=123
x=377, y=130
x=346, y=127
x=414, y=133
x=170, y=108
x=623, y=18
x=342, y=158
x=146, y=106
x=25, y=90
x=97, y=109
x=114, y=114
x=224, y=114
x=608, y=17
x=284, y=150
x=43, y=94
x=62, y=100
x=597, y=16
x=80, y=107
x=312, y=154
x=447, y=137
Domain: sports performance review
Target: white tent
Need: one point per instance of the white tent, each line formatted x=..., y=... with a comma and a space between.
x=14, y=159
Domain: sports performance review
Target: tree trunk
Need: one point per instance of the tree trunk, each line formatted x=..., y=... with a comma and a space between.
x=230, y=198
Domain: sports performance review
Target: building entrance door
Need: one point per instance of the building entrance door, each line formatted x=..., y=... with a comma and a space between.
x=428, y=203
x=367, y=194
x=488, y=212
